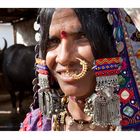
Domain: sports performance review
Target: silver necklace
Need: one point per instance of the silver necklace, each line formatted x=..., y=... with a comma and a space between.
x=81, y=124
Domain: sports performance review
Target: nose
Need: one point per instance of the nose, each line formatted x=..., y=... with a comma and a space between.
x=64, y=52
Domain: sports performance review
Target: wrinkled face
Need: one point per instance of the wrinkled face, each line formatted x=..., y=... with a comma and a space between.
x=66, y=43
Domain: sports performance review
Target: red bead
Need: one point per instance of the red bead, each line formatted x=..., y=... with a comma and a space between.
x=124, y=122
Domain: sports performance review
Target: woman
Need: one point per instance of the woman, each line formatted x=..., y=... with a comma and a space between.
x=78, y=65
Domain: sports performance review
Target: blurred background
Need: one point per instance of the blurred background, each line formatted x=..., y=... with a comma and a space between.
x=17, y=26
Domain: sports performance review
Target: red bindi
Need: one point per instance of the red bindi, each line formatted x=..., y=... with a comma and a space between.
x=63, y=35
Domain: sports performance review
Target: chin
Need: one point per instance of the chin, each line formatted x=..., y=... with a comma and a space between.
x=73, y=91
x=70, y=91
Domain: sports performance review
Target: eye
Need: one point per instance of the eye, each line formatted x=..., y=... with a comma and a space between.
x=81, y=35
x=53, y=42
x=81, y=39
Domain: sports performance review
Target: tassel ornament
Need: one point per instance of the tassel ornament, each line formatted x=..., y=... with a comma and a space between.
x=104, y=105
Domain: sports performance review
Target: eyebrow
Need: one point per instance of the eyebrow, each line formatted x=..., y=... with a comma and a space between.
x=77, y=31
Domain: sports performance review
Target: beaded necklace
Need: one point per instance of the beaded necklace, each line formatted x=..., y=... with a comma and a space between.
x=81, y=125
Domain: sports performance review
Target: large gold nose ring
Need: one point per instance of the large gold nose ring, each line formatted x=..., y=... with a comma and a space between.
x=83, y=72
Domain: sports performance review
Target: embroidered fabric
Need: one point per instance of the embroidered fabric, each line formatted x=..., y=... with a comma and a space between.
x=127, y=45
x=36, y=121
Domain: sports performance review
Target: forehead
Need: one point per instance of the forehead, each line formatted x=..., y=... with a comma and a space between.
x=64, y=20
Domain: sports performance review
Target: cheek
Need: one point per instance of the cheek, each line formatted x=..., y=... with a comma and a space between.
x=86, y=53
x=50, y=60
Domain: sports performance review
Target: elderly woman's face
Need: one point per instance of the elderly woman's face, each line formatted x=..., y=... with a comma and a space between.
x=66, y=43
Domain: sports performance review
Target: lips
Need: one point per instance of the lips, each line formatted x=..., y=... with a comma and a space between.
x=67, y=74
x=76, y=72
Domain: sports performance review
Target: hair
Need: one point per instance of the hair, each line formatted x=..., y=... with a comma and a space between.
x=94, y=24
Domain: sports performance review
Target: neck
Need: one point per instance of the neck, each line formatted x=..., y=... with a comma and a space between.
x=76, y=109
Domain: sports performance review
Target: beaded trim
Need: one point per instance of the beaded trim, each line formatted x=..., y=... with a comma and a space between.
x=107, y=66
x=41, y=66
x=40, y=61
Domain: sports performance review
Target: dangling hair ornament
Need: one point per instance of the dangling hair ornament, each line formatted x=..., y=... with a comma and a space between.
x=42, y=70
x=49, y=99
x=107, y=103
x=104, y=106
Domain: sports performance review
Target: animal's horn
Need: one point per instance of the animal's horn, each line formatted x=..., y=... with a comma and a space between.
x=5, y=44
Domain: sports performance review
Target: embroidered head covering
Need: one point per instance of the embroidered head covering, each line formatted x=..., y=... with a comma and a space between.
x=127, y=43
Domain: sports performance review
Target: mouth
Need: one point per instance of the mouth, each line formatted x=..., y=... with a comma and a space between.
x=77, y=73
x=69, y=73
x=74, y=74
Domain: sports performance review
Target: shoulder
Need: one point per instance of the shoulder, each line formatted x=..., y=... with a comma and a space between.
x=36, y=121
